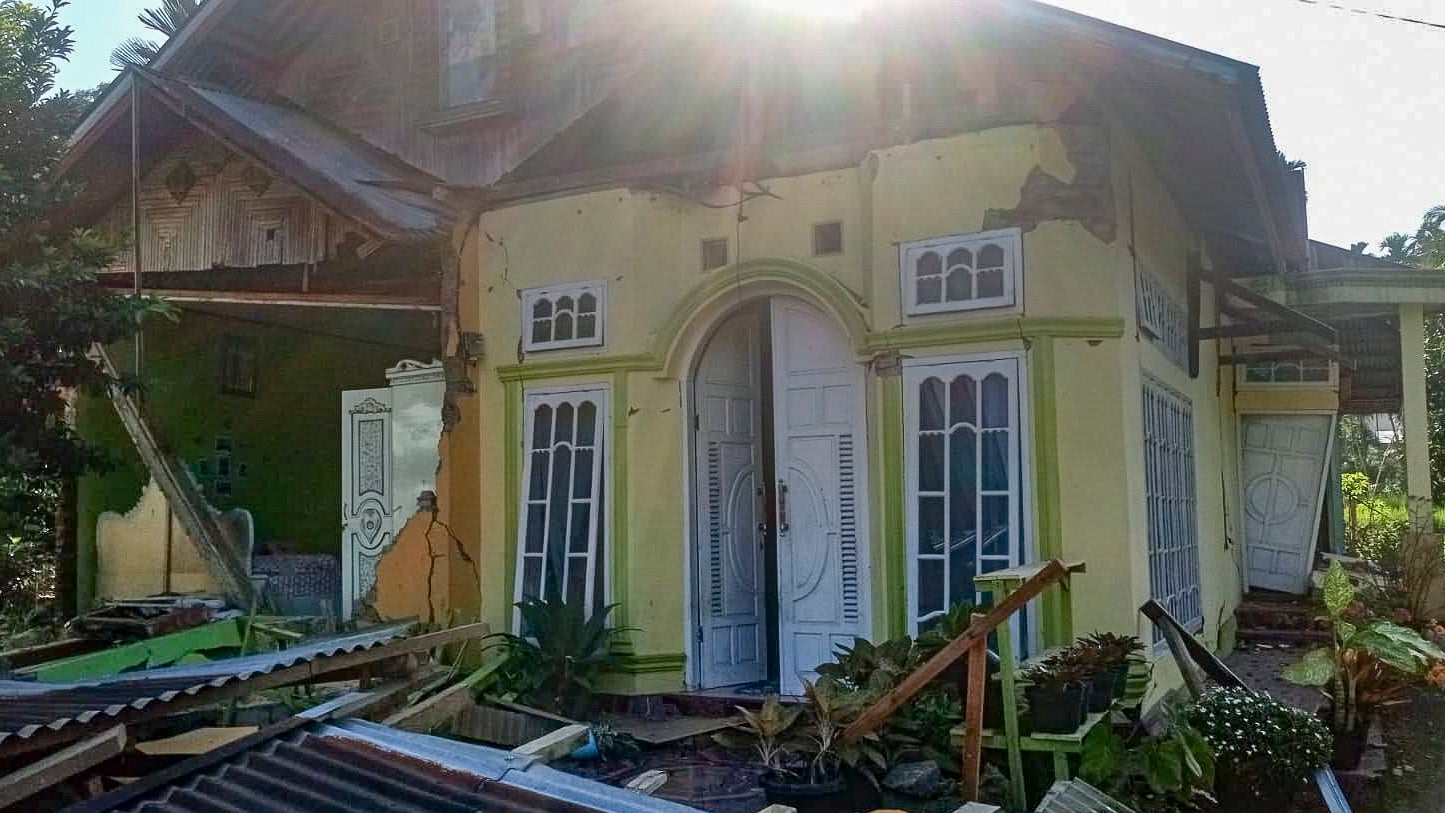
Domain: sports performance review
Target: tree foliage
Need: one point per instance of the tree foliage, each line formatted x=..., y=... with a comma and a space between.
x=52, y=311
x=165, y=19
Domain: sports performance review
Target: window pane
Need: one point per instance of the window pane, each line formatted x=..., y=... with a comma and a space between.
x=930, y=586
x=929, y=265
x=469, y=32
x=995, y=526
x=995, y=461
x=565, y=305
x=930, y=462
x=582, y=479
x=960, y=285
x=962, y=399
x=577, y=581
x=537, y=488
x=930, y=291
x=542, y=428
x=990, y=284
x=562, y=328
x=564, y=424
x=557, y=516
x=536, y=526
x=579, y=537
x=586, y=303
x=542, y=309
x=960, y=258
x=587, y=326
x=961, y=559
x=995, y=401
x=962, y=477
x=930, y=405
x=586, y=424
x=930, y=525
x=532, y=578
x=1286, y=372
x=990, y=256
x=542, y=331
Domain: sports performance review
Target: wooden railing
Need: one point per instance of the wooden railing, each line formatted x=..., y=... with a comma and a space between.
x=973, y=643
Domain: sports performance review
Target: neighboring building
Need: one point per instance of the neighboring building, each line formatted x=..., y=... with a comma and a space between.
x=771, y=331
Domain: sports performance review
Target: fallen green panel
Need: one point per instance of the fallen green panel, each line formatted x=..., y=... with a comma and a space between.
x=163, y=650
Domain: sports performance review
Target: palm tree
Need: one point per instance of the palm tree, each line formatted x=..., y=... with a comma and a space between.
x=1423, y=249
x=167, y=18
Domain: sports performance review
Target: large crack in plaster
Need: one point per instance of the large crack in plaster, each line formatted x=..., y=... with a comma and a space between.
x=1087, y=199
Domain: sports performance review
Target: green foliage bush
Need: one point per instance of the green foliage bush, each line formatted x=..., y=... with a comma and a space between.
x=1260, y=745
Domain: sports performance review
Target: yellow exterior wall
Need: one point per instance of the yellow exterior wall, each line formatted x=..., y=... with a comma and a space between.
x=1085, y=359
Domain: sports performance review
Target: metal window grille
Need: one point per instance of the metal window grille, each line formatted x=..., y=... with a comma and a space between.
x=1162, y=318
x=1171, y=496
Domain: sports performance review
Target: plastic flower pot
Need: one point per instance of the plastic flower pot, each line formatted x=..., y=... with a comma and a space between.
x=831, y=796
x=587, y=750
x=1121, y=679
x=1101, y=691
x=1350, y=747
x=1058, y=708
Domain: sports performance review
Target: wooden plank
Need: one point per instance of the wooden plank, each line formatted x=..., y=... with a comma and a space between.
x=554, y=745
x=978, y=631
x=196, y=741
x=1197, y=652
x=647, y=782
x=973, y=717
x=1298, y=319
x=300, y=300
x=54, y=651
x=40, y=776
x=440, y=708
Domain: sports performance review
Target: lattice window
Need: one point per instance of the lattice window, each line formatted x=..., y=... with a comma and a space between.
x=1169, y=487
x=965, y=272
x=1162, y=318
x=560, y=534
x=963, y=478
x=1307, y=371
x=564, y=316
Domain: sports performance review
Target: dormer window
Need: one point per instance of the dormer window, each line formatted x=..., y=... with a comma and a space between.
x=963, y=272
x=469, y=52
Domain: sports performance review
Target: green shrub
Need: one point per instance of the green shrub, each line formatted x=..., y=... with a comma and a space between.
x=1260, y=744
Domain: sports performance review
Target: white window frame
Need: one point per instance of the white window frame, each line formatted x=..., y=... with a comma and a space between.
x=1165, y=534
x=600, y=516
x=1161, y=317
x=552, y=293
x=1243, y=383
x=915, y=371
x=1010, y=240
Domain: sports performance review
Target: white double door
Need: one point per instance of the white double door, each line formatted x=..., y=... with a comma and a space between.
x=1284, y=461
x=807, y=491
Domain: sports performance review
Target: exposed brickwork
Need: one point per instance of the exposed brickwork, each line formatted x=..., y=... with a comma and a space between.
x=1089, y=200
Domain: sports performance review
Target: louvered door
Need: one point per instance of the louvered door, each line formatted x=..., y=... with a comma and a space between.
x=730, y=561
x=822, y=532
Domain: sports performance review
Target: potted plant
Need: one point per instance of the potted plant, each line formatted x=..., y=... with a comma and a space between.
x=555, y=663
x=1116, y=654
x=1058, y=695
x=1173, y=770
x=1364, y=668
x=1264, y=751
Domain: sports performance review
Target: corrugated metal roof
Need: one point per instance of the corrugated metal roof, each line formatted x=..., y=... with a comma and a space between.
x=359, y=181
x=356, y=766
x=28, y=709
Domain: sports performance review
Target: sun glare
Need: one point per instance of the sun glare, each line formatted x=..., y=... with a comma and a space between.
x=834, y=9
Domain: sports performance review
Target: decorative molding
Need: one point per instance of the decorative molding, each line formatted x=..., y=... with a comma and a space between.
x=1048, y=516
x=370, y=406
x=563, y=368
x=652, y=664
x=967, y=331
x=416, y=372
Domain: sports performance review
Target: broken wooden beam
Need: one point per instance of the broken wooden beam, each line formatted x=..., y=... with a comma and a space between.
x=200, y=521
x=554, y=745
x=68, y=763
x=440, y=708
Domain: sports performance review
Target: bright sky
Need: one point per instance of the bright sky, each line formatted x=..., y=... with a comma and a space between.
x=1359, y=98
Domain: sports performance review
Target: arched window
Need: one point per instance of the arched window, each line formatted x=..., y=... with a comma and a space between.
x=963, y=272
x=563, y=316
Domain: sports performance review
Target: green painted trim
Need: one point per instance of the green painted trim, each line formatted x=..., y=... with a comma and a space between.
x=651, y=664
x=992, y=330
x=161, y=651
x=512, y=479
x=846, y=305
x=562, y=368
x=1048, y=516
x=619, y=536
x=891, y=486
x=1355, y=287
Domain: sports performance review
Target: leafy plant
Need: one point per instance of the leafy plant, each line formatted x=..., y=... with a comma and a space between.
x=766, y=731
x=830, y=709
x=558, y=661
x=1258, y=742
x=1172, y=771
x=614, y=744
x=945, y=628
x=875, y=668
x=1365, y=667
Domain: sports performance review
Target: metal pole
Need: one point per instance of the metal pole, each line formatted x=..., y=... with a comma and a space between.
x=135, y=209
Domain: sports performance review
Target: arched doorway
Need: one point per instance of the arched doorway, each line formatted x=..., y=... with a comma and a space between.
x=780, y=553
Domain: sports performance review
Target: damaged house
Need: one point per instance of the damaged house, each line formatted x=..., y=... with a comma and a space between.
x=772, y=331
